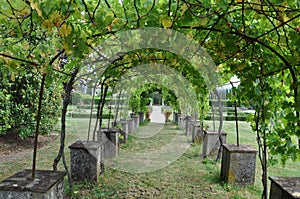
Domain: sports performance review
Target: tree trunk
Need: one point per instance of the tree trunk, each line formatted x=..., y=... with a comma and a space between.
x=66, y=99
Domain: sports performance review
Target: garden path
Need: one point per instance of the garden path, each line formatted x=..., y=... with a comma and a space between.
x=156, y=145
x=156, y=115
x=159, y=162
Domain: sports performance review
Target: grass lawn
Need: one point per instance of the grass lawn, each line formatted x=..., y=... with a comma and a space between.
x=189, y=176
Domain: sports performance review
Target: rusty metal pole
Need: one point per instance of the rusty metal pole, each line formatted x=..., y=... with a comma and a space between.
x=236, y=119
x=37, y=127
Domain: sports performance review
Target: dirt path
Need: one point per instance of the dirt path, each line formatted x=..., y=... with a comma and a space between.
x=12, y=147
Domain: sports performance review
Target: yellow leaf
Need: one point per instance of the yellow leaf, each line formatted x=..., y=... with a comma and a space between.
x=220, y=67
x=166, y=22
x=47, y=24
x=183, y=8
x=25, y=12
x=67, y=48
x=25, y=44
x=12, y=77
x=241, y=66
x=109, y=15
x=116, y=20
x=203, y=21
x=109, y=27
x=35, y=6
x=56, y=18
x=65, y=30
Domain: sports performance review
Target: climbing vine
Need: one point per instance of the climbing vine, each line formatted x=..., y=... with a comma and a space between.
x=256, y=40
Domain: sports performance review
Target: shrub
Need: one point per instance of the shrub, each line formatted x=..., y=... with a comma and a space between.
x=18, y=103
x=87, y=115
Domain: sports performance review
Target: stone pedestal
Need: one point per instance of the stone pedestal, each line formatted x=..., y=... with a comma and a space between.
x=130, y=125
x=181, y=123
x=211, y=142
x=285, y=187
x=136, y=120
x=195, y=129
x=141, y=117
x=190, y=128
x=125, y=128
x=174, y=117
x=46, y=185
x=177, y=119
x=110, y=137
x=238, y=164
x=87, y=160
x=188, y=120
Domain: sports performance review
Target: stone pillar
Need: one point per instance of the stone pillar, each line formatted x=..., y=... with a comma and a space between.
x=47, y=185
x=110, y=137
x=195, y=128
x=130, y=125
x=174, y=117
x=125, y=128
x=188, y=126
x=177, y=121
x=141, y=117
x=180, y=122
x=285, y=187
x=136, y=121
x=238, y=164
x=86, y=160
x=211, y=142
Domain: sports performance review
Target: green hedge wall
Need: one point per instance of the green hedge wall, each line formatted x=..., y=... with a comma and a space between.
x=87, y=115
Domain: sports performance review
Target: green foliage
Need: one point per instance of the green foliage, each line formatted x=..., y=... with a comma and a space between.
x=18, y=96
x=87, y=115
x=167, y=109
x=76, y=98
x=134, y=102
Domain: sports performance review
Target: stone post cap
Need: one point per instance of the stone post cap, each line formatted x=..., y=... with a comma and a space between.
x=242, y=148
x=290, y=184
x=22, y=181
x=214, y=132
x=86, y=145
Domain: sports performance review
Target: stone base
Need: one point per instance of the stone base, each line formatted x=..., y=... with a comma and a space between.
x=125, y=129
x=188, y=121
x=86, y=160
x=130, y=125
x=141, y=117
x=175, y=116
x=211, y=142
x=136, y=120
x=195, y=129
x=285, y=187
x=110, y=138
x=181, y=123
x=177, y=119
x=238, y=164
x=46, y=185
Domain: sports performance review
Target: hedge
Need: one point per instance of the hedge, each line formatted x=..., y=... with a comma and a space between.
x=85, y=115
x=226, y=118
